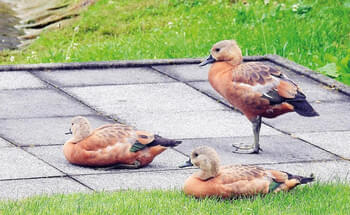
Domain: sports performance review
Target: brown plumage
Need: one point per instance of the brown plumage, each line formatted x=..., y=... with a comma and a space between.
x=255, y=88
x=113, y=144
x=235, y=180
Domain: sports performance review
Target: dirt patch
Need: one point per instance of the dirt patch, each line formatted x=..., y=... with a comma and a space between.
x=38, y=15
x=8, y=33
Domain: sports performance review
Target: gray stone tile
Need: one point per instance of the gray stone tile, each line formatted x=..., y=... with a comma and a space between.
x=4, y=143
x=169, y=159
x=103, y=77
x=333, y=117
x=195, y=124
x=38, y=103
x=323, y=171
x=17, y=80
x=190, y=72
x=277, y=149
x=140, y=180
x=16, y=163
x=314, y=91
x=18, y=189
x=205, y=87
x=337, y=142
x=42, y=131
x=145, y=98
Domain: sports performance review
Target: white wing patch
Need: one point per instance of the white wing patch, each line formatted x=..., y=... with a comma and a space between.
x=263, y=88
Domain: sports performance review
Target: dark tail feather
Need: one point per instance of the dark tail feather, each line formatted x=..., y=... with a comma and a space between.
x=158, y=140
x=301, y=106
x=305, y=180
x=302, y=179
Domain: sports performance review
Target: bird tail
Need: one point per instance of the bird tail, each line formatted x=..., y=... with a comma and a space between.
x=301, y=106
x=290, y=183
x=301, y=179
x=158, y=141
x=161, y=141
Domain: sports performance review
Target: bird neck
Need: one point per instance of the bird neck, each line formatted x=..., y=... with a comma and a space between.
x=78, y=136
x=220, y=76
x=209, y=173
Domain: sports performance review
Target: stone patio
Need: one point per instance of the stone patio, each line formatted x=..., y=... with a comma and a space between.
x=171, y=98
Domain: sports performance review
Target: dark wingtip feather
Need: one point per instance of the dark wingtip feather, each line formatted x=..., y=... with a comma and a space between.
x=158, y=140
x=303, y=108
x=168, y=142
x=302, y=179
x=305, y=180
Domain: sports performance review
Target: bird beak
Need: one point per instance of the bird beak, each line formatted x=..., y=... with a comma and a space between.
x=187, y=164
x=70, y=132
x=209, y=60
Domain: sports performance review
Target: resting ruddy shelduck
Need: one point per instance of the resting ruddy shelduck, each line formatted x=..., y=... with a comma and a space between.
x=234, y=180
x=114, y=145
x=255, y=88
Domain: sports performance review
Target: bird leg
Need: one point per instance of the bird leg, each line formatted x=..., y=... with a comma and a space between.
x=135, y=165
x=255, y=148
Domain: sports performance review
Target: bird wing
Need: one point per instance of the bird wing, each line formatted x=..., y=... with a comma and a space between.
x=267, y=80
x=244, y=180
x=110, y=134
x=233, y=173
x=144, y=139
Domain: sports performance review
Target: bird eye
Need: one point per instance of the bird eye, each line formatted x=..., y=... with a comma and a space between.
x=72, y=123
x=217, y=49
x=195, y=154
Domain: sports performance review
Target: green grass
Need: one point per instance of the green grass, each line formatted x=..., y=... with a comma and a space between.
x=315, y=199
x=315, y=35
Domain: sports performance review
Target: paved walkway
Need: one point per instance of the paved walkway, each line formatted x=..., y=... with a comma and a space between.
x=171, y=98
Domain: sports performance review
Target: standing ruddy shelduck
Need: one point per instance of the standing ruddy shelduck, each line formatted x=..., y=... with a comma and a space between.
x=256, y=89
x=234, y=180
x=113, y=144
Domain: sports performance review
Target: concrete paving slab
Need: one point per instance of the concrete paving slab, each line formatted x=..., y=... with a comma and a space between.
x=320, y=93
x=19, y=189
x=103, y=77
x=38, y=103
x=53, y=155
x=145, y=98
x=333, y=117
x=154, y=101
x=205, y=87
x=18, y=80
x=140, y=180
x=42, y=131
x=277, y=149
x=314, y=90
x=185, y=73
x=337, y=171
x=195, y=124
x=337, y=142
x=16, y=163
x=4, y=143
x=317, y=92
